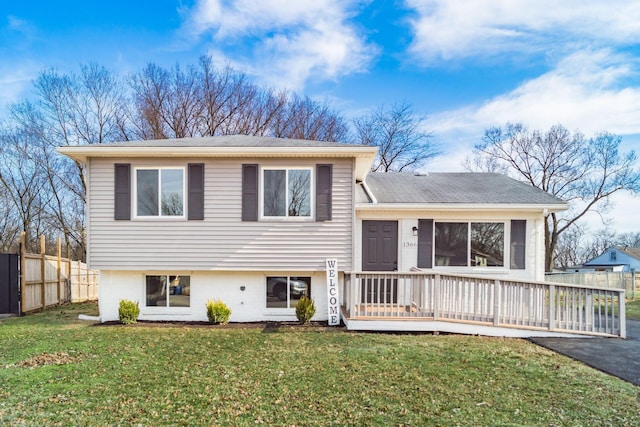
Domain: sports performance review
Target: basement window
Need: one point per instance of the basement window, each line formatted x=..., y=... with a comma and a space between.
x=167, y=291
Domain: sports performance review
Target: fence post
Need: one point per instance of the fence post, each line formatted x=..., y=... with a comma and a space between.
x=88, y=280
x=23, y=281
x=79, y=280
x=42, y=271
x=59, y=268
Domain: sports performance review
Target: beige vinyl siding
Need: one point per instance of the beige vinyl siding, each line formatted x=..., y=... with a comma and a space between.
x=221, y=241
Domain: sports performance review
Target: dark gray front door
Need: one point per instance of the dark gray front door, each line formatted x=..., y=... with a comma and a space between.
x=379, y=245
x=9, y=284
x=379, y=253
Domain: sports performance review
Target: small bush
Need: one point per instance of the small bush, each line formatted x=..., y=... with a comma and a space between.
x=218, y=312
x=128, y=312
x=305, y=309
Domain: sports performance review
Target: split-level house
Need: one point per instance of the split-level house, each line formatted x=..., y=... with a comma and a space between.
x=253, y=220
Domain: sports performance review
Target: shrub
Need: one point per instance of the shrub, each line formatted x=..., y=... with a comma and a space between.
x=305, y=309
x=218, y=312
x=128, y=312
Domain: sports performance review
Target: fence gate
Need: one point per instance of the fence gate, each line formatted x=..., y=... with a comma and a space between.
x=9, y=284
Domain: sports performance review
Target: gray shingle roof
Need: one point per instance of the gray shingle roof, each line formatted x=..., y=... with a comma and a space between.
x=471, y=188
x=234, y=141
x=631, y=251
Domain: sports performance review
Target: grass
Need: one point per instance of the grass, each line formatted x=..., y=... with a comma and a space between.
x=56, y=370
x=632, y=308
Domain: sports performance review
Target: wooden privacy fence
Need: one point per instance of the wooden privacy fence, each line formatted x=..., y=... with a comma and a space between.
x=603, y=279
x=50, y=280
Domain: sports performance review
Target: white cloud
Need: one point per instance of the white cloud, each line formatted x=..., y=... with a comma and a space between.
x=289, y=42
x=585, y=91
x=452, y=29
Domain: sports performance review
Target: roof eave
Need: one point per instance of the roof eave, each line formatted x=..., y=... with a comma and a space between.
x=364, y=156
x=460, y=207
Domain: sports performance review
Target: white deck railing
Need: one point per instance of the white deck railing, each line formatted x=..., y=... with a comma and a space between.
x=554, y=307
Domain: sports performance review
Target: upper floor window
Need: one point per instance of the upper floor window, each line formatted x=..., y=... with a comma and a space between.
x=286, y=193
x=160, y=192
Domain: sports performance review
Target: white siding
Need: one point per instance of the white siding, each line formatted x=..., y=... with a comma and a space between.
x=221, y=241
x=408, y=243
x=248, y=305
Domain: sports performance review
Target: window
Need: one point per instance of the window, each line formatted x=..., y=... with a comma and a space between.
x=285, y=292
x=614, y=256
x=475, y=244
x=286, y=193
x=167, y=291
x=159, y=192
x=487, y=244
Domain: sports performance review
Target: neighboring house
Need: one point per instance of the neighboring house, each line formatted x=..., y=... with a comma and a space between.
x=251, y=220
x=617, y=258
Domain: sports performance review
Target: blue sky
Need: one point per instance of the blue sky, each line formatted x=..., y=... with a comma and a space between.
x=467, y=65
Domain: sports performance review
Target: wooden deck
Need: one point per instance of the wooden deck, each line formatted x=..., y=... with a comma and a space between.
x=479, y=305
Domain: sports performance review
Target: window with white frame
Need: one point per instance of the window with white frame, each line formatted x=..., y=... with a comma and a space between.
x=159, y=192
x=286, y=192
x=286, y=291
x=167, y=290
x=469, y=244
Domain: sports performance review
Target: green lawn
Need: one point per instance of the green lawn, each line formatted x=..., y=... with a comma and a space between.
x=56, y=370
x=632, y=308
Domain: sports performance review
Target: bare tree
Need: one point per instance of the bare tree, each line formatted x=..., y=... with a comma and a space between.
x=206, y=101
x=303, y=118
x=23, y=181
x=584, y=172
x=9, y=224
x=403, y=144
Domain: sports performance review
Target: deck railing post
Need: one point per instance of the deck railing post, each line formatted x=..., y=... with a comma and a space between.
x=552, y=307
x=622, y=315
x=355, y=295
x=436, y=297
x=496, y=302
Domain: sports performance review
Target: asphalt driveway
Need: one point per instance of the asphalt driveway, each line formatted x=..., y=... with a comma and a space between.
x=615, y=356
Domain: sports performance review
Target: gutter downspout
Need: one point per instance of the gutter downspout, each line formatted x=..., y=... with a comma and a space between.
x=369, y=193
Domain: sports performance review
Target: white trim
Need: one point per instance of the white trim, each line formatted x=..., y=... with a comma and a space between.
x=159, y=216
x=363, y=155
x=427, y=325
x=457, y=207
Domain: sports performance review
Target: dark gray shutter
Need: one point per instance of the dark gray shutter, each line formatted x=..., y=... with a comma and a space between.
x=249, y=192
x=122, y=191
x=196, y=191
x=324, y=182
x=518, y=244
x=425, y=243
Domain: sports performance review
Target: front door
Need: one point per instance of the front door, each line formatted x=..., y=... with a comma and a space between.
x=379, y=253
